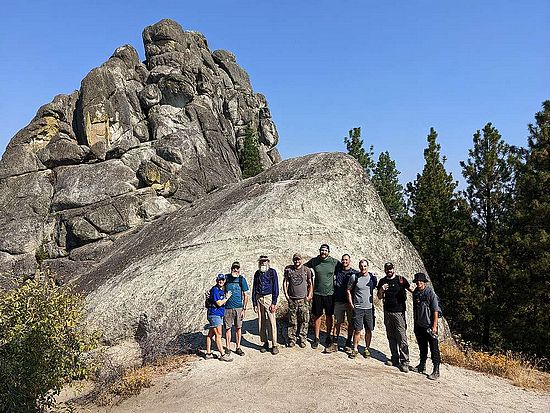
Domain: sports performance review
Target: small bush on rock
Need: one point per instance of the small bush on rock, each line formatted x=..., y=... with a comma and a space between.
x=42, y=343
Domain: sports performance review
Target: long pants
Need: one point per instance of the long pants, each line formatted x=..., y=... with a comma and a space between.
x=396, y=331
x=424, y=339
x=298, y=319
x=267, y=322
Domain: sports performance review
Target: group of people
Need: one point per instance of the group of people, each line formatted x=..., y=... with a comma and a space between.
x=324, y=285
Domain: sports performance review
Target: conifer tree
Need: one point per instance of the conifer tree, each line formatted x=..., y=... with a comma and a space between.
x=251, y=164
x=437, y=227
x=489, y=174
x=354, y=146
x=528, y=287
x=387, y=185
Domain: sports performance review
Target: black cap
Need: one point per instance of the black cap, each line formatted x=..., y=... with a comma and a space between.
x=388, y=266
x=420, y=276
x=263, y=258
x=324, y=246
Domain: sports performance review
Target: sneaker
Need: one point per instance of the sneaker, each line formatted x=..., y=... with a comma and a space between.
x=353, y=354
x=302, y=344
x=264, y=348
x=226, y=357
x=334, y=347
x=291, y=343
x=404, y=368
x=227, y=351
x=239, y=351
x=275, y=350
x=391, y=363
x=366, y=353
x=315, y=343
x=208, y=356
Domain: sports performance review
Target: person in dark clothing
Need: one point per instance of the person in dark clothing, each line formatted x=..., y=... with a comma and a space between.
x=265, y=291
x=392, y=290
x=426, y=315
x=342, y=310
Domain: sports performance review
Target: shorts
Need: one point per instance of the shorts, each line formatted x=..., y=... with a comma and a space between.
x=342, y=312
x=322, y=302
x=214, y=321
x=363, y=318
x=233, y=317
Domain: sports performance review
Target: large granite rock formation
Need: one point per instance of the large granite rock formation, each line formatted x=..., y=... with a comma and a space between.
x=138, y=139
x=161, y=272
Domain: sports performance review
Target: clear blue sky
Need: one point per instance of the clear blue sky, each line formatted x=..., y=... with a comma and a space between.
x=394, y=68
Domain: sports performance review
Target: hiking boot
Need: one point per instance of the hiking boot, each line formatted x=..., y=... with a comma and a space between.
x=421, y=368
x=208, y=356
x=391, y=363
x=366, y=353
x=239, y=351
x=291, y=343
x=404, y=368
x=227, y=351
x=435, y=373
x=302, y=344
x=353, y=354
x=275, y=350
x=315, y=343
x=264, y=348
x=226, y=357
x=334, y=347
x=328, y=341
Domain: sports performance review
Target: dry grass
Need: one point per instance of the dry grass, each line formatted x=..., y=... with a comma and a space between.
x=132, y=381
x=521, y=372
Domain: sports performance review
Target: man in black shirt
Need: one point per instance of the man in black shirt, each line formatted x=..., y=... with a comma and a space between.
x=391, y=289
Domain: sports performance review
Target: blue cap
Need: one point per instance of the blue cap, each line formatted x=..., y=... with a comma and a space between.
x=220, y=277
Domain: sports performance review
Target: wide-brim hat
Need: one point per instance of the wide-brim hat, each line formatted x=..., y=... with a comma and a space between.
x=420, y=276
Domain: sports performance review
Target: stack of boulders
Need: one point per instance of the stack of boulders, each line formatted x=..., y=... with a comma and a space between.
x=138, y=140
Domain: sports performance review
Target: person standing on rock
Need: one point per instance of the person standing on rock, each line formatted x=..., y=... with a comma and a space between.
x=360, y=297
x=217, y=299
x=235, y=308
x=265, y=291
x=298, y=290
x=342, y=309
x=324, y=268
x=426, y=315
x=392, y=290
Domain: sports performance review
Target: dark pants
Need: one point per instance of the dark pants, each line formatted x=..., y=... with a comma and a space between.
x=424, y=339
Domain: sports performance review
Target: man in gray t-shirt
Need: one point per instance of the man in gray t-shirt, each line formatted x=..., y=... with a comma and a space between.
x=298, y=290
x=360, y=288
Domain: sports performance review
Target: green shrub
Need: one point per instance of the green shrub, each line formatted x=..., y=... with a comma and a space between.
x=42, y=343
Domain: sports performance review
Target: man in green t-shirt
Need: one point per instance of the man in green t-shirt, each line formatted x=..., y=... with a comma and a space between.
x=324, y=268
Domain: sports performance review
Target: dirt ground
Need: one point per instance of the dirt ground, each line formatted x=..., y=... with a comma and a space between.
x=310, y=380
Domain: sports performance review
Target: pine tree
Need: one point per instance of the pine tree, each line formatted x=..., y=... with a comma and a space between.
x=438, y=227
x=354, y=146
x=528, y=287
x=251, y=164
x=489, y=174
x=387, y=185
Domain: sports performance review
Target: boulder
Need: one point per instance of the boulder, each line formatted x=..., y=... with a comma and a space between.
x=162, y=270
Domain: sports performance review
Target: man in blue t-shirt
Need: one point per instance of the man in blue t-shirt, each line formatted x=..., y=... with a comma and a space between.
x=235, y=307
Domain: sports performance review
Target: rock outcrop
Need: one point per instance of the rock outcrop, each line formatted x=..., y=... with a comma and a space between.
x=161, y=272
x=138, y=139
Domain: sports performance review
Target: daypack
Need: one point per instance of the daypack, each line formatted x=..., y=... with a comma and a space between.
x=240, y=282
x=208, y=303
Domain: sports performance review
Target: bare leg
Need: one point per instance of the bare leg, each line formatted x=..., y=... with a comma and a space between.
x=238, y=334
x=329, y=325
x=317, y=326
x=209, y=340
x=368, y=338
x=218, y=333
x=356, y=336
x=228, y=338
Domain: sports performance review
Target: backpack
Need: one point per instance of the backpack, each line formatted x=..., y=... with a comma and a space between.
x=208, y=303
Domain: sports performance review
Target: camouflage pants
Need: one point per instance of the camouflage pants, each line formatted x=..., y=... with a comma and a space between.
x=298, y=320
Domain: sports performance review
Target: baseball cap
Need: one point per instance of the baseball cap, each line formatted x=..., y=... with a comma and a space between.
x=263, y=258
x=220, y=277
x=297, y=256
x=235, y=264
x=324, y=246
x=388, y=265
